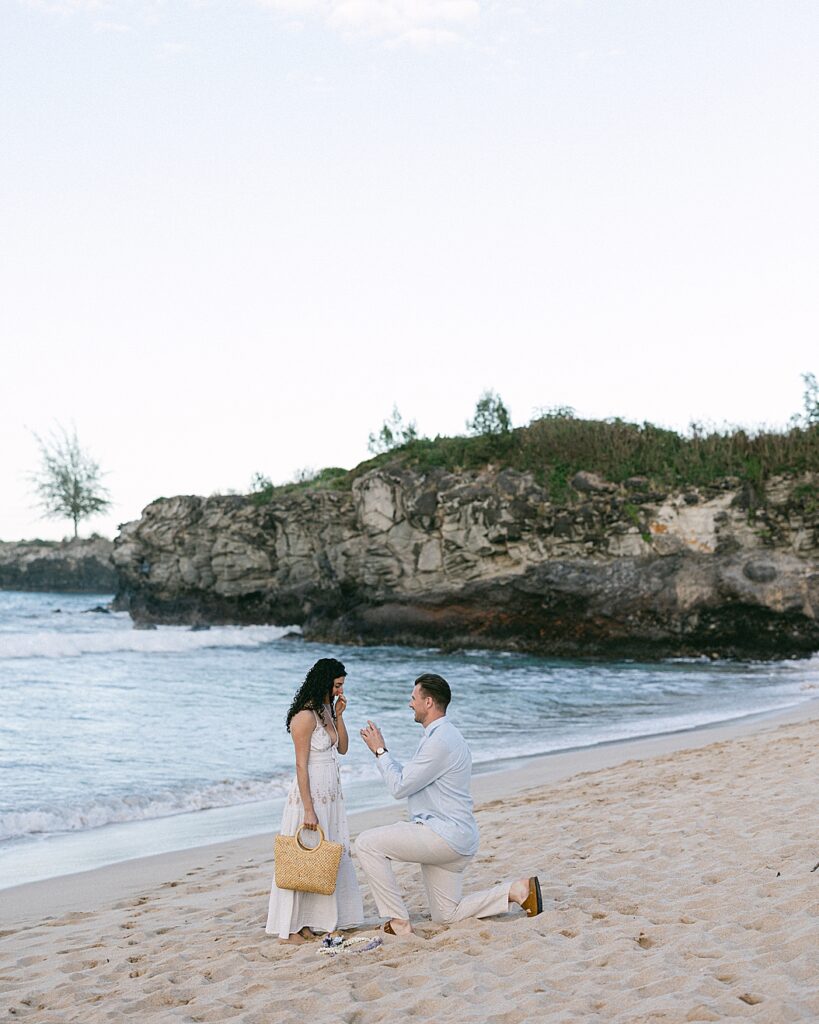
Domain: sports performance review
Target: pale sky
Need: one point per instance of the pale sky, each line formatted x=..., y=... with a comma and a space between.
x=235, y=232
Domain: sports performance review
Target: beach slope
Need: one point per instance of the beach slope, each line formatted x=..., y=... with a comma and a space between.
x=678, y=886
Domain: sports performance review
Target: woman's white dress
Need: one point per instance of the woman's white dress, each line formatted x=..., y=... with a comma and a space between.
x=289, y=911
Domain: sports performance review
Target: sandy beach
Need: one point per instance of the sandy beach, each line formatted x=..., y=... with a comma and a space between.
x=679, y=878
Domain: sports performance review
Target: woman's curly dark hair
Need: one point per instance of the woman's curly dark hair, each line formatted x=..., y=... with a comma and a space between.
x=318, y=682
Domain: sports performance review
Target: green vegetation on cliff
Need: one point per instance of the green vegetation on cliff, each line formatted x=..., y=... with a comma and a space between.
x=557, y=445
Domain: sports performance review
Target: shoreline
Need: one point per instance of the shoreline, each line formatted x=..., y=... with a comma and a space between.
x=88, y=891
x=59, y=855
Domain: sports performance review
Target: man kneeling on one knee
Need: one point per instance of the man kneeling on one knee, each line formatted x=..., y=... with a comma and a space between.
x=442, y=834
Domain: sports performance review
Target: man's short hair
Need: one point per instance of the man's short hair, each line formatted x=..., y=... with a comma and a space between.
x=435, y=687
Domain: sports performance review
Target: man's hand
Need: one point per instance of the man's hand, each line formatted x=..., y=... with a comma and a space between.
x=371, y=735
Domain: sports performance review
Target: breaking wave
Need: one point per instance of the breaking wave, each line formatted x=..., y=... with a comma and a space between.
x=163, y=640
x=115, y=809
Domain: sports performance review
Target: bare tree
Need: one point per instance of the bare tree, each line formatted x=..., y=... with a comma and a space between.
x=69, y=481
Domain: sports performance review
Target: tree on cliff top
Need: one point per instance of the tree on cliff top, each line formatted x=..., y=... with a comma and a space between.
x=810, y=398
x=68, y=483
x=491, y=416
x=393, y=433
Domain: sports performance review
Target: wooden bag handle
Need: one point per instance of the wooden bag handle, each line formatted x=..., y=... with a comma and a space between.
x=310, y=849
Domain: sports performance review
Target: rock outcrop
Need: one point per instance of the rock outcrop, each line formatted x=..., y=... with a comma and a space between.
x=487, y=559
x=83, y=566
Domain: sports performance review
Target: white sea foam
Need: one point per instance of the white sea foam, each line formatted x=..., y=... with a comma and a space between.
x=163, y=640
x=109, y=810
x=132, y=807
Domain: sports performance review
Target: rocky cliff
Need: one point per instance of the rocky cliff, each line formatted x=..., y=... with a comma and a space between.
x=487, y=559
x=75, y=565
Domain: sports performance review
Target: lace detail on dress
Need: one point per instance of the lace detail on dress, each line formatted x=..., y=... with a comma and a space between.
x=328, y=796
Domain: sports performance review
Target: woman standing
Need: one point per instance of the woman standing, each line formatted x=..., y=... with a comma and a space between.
x=315, y=722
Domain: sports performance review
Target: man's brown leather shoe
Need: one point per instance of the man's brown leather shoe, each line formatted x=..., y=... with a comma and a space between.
x=533, y=904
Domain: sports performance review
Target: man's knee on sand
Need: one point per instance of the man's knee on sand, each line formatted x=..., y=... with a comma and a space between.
x=444, y=914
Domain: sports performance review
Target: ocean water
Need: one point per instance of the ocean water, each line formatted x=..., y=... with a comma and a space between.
x=117, y=742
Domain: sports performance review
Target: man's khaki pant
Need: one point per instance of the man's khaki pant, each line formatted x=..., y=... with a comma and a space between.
x=441, y=867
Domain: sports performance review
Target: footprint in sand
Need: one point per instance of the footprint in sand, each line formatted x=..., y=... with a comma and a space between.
x=83, y=965
x=751, y=1000
x=27, y=961
x=701, y=1012
x=368, y=993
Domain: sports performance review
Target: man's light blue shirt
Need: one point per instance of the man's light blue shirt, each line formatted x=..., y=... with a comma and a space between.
x=436, y=783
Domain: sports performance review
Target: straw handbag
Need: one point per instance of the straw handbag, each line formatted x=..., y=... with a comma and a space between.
x=304, y=868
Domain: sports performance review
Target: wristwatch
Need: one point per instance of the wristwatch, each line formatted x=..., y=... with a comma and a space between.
x=380, y=750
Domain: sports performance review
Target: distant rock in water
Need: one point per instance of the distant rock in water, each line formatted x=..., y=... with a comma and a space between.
x=97, y=610
x=77, y=566
x=488, y=559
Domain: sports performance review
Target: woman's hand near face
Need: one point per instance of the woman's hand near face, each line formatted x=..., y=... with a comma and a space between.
x=337, y=697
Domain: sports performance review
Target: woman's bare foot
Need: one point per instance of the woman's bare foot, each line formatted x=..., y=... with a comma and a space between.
x=395, y=926
x=296, y=939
